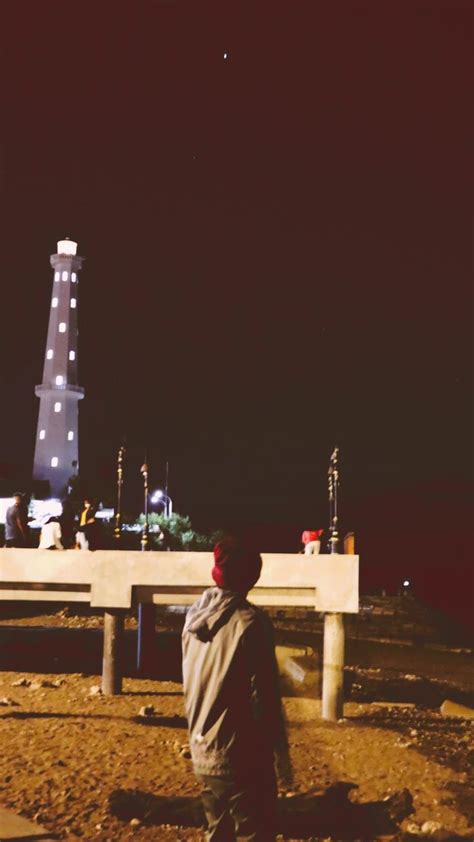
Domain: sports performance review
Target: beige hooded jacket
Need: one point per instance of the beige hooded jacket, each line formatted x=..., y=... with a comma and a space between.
x=231, y=686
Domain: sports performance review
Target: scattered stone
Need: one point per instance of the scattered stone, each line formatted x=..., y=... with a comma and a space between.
x=58, y=682
x=36, y=685
x=290, y=794
x=414, y=829
x=185, y=753
x=449, y=708
x=135, y=822
x=21, y=682
x=95, y=690
x=7, y=702
x=147, y=710
x=435, y=830
x=431, y=827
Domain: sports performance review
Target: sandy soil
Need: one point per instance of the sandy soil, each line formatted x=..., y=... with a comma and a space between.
x=71, y=760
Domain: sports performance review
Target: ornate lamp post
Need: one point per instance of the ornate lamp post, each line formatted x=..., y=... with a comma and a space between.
x=333, y=643
x=144, y=472
x=333, y=486
x=146, y=610
x=118, y=510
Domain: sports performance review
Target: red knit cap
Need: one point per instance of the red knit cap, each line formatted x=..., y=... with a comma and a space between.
x=235, y=568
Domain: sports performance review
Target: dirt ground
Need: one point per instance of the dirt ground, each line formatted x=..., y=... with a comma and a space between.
x=86, y=766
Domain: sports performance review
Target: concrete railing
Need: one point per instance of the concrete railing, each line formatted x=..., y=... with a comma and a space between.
x=116, y=580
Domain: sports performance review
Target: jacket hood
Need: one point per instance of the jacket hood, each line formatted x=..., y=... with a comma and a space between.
x=212, y=611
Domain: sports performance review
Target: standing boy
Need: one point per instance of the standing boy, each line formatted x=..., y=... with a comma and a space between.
x=233, y=704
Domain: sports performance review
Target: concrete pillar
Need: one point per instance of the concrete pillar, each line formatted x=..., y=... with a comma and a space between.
x=146, y=637
x=333, y=667
x=112, y=659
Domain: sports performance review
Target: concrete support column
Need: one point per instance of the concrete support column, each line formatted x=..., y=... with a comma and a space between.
x=112, y=659
x=333, y=667
x=145, y=637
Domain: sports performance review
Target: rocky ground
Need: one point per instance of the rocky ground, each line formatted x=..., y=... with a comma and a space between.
x=86, y=766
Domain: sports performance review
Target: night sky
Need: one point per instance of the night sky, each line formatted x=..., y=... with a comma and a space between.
x=277, y=252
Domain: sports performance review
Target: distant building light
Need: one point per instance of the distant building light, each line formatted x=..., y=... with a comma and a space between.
x=59, y=380
x=42, y=434
x=70, y=436
x=49, y=354
x=57, y=276
x=54, y=302
x=73, y=277
x=62, y=327
x=73, y=303
x=72, y=355
x=65, y=275
x=41, y=511
x=105, y=514
x=57, y=406
x=406, y=583
x=67, y=247
x=54, y=462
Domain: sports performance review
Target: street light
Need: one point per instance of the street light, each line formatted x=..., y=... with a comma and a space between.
x=159, y=496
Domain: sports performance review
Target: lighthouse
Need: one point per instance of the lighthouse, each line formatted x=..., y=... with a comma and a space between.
x=57, y=437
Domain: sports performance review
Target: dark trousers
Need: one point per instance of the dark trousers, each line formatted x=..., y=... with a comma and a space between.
x=243, y=809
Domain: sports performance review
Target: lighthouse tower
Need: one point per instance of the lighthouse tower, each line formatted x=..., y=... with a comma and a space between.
x=57, y=446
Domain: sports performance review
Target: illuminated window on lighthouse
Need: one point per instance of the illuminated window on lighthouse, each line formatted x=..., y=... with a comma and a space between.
x=62, y=327
x=54, y=302
x=73, y=303
x=70, y=435
x=49, y=354
x=42, y=434
x=57, y=276
x=57, y=406
x=54, y=462
x=73, y=277
x=72, y=355
x=64, y=276
x=59, y=380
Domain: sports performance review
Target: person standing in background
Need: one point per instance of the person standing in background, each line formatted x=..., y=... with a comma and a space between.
x=17, y=533
x=66, y=520
x=311, y=541
x=86, y=526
